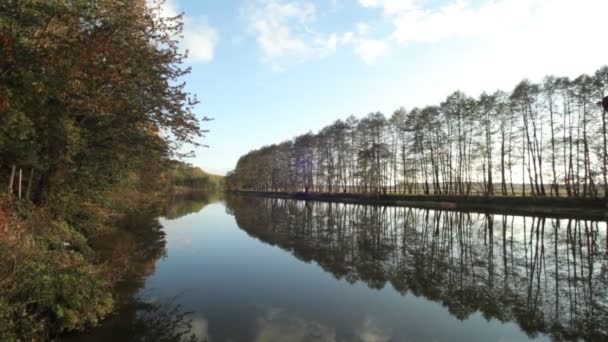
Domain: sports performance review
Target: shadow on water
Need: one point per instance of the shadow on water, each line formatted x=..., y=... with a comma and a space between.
x=550, y=276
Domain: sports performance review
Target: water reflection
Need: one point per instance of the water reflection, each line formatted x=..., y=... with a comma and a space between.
x=142, y=320
x=134, y=249
x=547, y=275
x=255, y=269
x=279, y=325
x=181, y=205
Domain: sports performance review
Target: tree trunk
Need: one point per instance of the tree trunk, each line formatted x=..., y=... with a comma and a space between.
x=605, y=105
x=11, y=180
x=555, y=185
x=20, y=181
x=523, y=167
x=28, y=191
x=503, y=182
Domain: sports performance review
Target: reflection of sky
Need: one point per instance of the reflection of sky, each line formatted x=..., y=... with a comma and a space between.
x=279, y=325
x=242, y=289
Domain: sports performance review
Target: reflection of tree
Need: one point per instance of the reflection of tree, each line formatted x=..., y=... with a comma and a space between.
x=184, y=204
x=144, y=321
x=133, y=250
x=165, y=322
x=548, y=275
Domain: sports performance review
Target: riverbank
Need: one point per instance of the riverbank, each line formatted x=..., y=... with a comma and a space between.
x=86, y=153
x=59, y=274
x=66, y=273
x=580, y=208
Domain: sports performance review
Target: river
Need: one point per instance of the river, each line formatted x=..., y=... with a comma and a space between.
x=244, y=268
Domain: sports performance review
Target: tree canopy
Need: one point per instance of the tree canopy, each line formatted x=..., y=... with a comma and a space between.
x=91, y=93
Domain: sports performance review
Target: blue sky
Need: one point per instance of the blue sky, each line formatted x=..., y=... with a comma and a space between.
x=267, y=70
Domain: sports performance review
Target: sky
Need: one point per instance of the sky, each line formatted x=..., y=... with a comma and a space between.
x=268, y=70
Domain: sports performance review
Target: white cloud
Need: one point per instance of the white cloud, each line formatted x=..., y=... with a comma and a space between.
x=460, y=19
x=199, y=38
x=371, y=50
x=283, y=32
x=489, y=19
x=284, y=35
x=390, y=6
x=413, y=22
x=363, y=29
x=347, y=38
x=327, y=44
x=499, y=41
x=556, y=36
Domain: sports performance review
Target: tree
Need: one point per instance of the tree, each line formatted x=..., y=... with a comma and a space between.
x=92, y=88
x=303, y=154
x=458, y=147
x=525, y=99
x=549, y=90
x=489, y=110
x=601, y=79
x=397, y=146
x=583, y=92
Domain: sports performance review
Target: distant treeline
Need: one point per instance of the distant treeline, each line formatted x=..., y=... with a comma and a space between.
x=181, y=174
x=545, y=139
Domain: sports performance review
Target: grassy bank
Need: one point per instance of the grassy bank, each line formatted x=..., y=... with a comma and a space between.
x=584, y=208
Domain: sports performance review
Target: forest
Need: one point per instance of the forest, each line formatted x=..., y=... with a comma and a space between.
x=93, y=112
x=540, y=139
x=182, y=177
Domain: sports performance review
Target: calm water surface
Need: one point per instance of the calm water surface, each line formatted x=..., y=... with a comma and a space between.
x=255, y=269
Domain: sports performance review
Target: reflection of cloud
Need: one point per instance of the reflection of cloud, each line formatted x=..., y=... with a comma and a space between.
x=181, y=242
x=200, y=329
x=191, y=329
x=277, y=325
x=369, y=331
